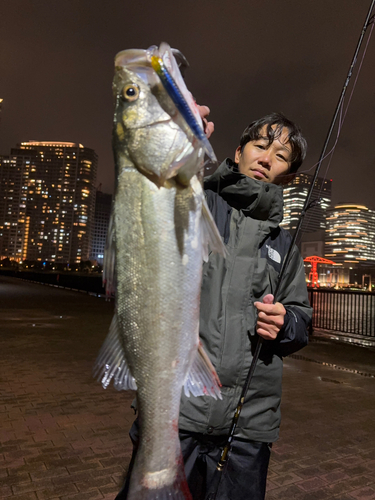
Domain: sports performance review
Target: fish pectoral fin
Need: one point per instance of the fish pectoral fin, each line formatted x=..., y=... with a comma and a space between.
x=186, y=163
x=111, y=362
x=210, y=234
x=202, y=378
x=109, y=257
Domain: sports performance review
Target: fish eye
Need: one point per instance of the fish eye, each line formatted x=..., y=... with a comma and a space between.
x=131, y=92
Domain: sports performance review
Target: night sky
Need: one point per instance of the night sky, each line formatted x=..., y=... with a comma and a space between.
x=247, y=58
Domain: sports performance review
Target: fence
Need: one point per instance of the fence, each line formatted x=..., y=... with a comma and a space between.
x=72, y=281
x=348, y=312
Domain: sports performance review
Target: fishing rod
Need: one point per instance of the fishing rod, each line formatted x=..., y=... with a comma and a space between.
x=215, y=484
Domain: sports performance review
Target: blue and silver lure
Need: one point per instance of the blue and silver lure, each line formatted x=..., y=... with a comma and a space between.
x=173, y=90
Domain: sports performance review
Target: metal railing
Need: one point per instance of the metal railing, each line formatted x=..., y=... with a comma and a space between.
x=343, y=311
x=89, y=283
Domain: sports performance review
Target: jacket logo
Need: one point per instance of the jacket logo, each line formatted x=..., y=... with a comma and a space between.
x=273, y=254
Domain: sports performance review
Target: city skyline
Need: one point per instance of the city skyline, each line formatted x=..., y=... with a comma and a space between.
x=103, y=205
x=145, y=291
x=350, y=234
x=298, y=68
x=294, y=199
x=47, y=201
x=29, y=229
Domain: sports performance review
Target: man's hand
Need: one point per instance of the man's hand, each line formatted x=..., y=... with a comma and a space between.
x=270, y=317
x=208, y=127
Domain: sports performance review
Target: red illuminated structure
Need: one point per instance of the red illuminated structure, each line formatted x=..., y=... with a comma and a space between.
x=313, y=275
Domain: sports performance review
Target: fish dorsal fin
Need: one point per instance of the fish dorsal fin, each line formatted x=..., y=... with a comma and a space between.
x=210, y=235
x=111, y=362
x=202, y=378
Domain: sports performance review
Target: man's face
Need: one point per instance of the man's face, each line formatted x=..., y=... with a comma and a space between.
x=266, y=162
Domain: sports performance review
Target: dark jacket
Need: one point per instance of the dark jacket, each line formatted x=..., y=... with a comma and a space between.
x=248, y=213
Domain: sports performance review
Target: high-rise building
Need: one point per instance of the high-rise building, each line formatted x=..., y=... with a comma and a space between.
x=14, y=221
x=103, y=204
x=47, y=201
x=294, y=198
x=350, y=235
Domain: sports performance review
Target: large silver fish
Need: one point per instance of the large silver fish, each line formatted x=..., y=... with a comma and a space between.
x=160, y=230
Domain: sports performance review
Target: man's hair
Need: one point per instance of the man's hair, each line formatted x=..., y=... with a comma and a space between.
x=295, y=137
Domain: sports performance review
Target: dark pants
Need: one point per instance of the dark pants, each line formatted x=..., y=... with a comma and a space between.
x=244, y=476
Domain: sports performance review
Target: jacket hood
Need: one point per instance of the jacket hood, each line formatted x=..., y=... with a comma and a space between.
x=257, y=199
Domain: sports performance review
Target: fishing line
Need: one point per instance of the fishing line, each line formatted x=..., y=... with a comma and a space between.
x=341, y=121
x=209, y=164
x=309, y=214
x=339, y=129
x=333, y=147
x=214, y=487
x=324, y=157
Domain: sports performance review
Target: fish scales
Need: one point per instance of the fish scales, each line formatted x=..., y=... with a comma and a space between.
x=159, y=272
x=159, y=243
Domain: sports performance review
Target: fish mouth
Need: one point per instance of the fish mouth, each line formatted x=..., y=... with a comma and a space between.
x=131, y=58
x=155, y=123
x=161, y=122
x=158, y=122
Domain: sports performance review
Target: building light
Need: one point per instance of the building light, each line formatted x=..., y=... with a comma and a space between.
x=28, y=191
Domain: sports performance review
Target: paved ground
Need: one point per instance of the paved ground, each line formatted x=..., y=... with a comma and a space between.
x=63, y=437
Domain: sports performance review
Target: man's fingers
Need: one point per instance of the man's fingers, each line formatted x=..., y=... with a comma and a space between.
x=266, y=334
x=270, y=308
x=208, y=128
x=266, y=321
x=268, y=299
x=204, y=111
x=270, y=317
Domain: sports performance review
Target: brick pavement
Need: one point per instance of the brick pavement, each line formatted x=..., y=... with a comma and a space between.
x=63, y=437
x=327, y=440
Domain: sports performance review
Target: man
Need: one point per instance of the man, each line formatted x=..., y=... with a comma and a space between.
x=246, y=199
x=237, y=305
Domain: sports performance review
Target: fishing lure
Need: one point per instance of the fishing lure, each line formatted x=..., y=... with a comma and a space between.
x=180, y=102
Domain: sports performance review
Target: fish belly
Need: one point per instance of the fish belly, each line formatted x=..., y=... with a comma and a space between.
x=158, y=267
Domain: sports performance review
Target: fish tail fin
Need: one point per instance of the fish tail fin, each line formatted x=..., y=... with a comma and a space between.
x=202, y=378
x=210, y=233
x=151, y=486
x=111, y=362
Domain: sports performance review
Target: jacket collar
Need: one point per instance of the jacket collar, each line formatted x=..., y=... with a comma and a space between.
x=257, y=199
